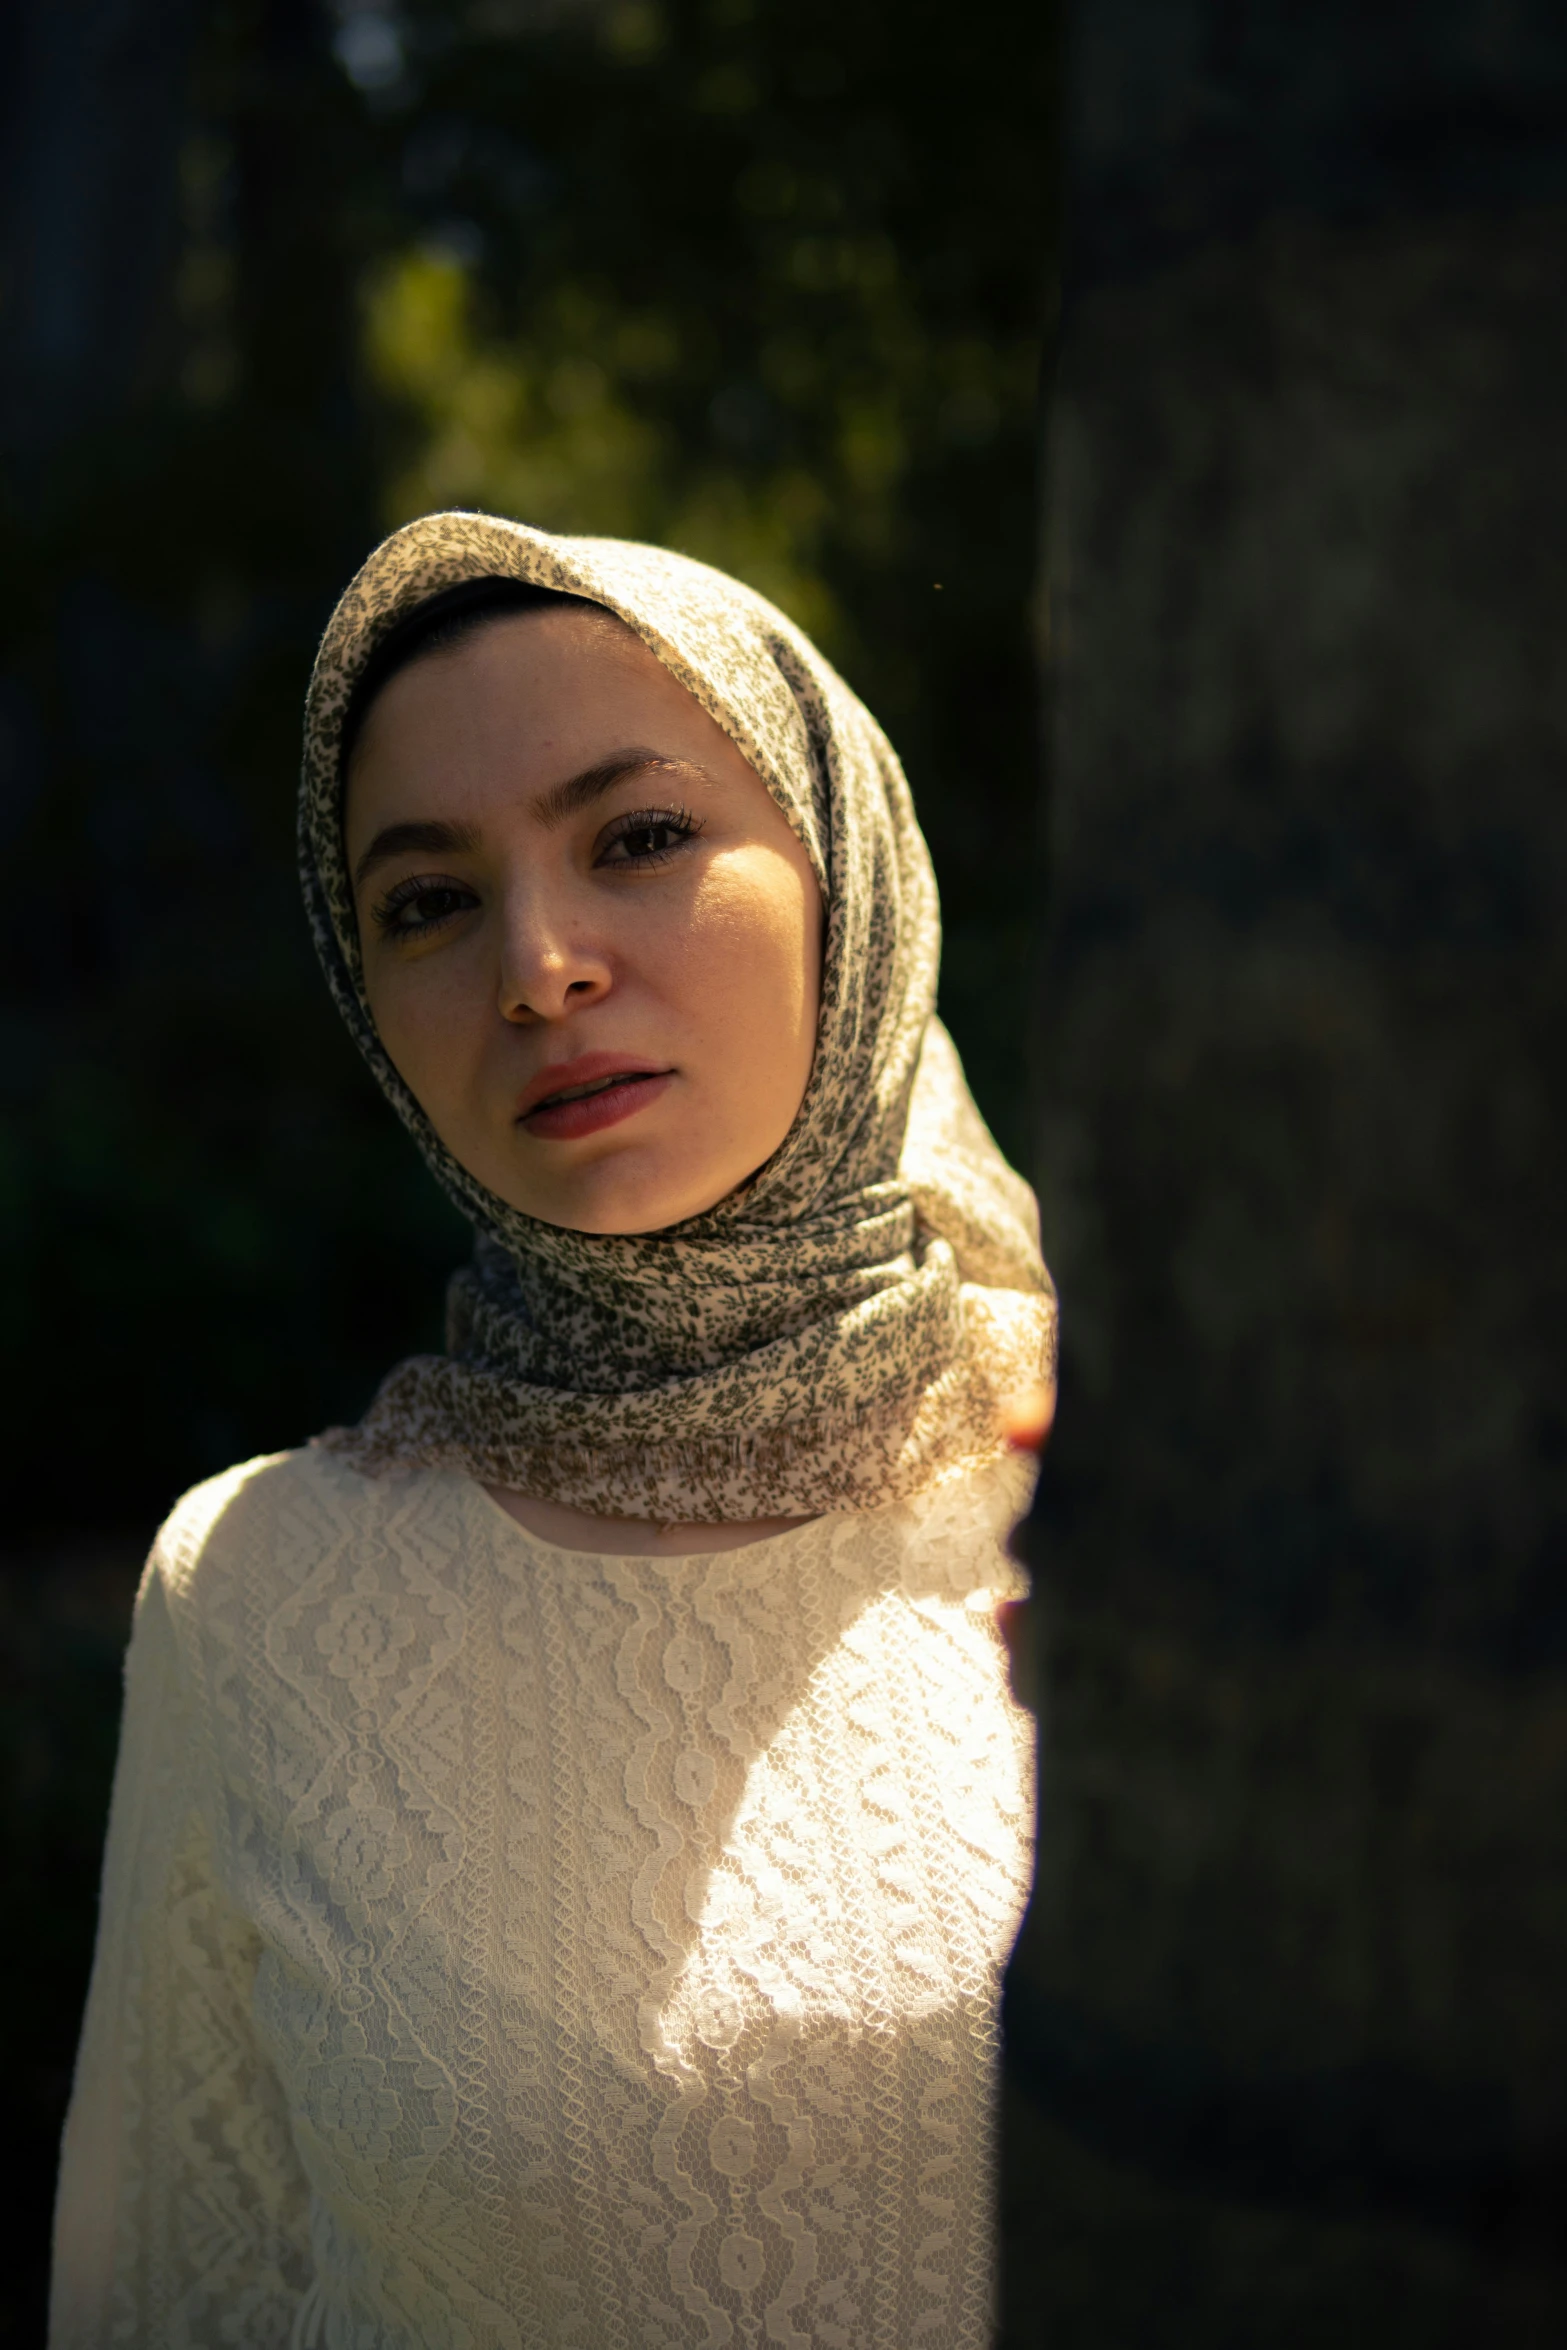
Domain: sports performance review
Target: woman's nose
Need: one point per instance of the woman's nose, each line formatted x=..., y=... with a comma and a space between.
x=548, y=966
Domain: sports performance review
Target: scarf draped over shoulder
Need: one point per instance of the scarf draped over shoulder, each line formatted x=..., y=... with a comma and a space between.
x=838, y=1334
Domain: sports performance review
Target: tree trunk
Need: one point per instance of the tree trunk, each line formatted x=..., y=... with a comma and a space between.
x=1286, y=2032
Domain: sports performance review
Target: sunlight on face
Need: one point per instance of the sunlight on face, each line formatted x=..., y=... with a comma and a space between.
x=592, y=942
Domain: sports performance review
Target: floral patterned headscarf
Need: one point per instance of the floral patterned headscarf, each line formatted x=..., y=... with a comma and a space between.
x=837, y=1334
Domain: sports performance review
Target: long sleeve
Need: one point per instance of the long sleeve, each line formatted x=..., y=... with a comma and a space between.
x=182, y=2213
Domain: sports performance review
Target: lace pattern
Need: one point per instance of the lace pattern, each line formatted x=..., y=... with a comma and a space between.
x=507, y=1946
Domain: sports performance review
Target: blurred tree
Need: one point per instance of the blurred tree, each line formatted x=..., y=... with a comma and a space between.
x=93, y=112
x=1288, y=2015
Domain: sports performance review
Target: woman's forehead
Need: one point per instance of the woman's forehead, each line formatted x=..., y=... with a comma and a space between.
x=530, y=686
x=548, y=701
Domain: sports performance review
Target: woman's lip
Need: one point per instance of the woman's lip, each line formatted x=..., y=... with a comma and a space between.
x=590, y=1113
x=586, y=1069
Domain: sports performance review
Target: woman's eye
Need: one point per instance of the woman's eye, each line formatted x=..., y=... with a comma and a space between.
x=415, y=907
x=648, y=838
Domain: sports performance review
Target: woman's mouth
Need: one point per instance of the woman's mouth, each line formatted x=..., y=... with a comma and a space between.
x=584, y=1096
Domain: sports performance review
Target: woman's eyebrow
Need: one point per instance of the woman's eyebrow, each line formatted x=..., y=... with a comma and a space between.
x=552, y=807
x=397, y=840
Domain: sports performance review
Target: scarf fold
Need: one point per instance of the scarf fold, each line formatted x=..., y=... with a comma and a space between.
x=838, y=1334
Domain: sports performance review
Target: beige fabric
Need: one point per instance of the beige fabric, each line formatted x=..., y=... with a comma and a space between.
x=504, y=1948
x=836, y=1336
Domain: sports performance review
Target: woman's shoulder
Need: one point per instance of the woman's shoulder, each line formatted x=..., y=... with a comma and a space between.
x=270, y=1518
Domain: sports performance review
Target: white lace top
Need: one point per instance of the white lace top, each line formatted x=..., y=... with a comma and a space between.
x=502, y=1945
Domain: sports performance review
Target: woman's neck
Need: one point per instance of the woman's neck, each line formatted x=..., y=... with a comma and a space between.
x=569, y=1528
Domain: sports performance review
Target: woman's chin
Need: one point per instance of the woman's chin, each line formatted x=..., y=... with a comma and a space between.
x=615, y=1203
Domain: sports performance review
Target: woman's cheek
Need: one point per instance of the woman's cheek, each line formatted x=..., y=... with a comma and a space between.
x=751, y=919
x=430, y=1016
x=749, y=995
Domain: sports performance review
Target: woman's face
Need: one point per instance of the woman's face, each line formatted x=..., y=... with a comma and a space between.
x=591, y=941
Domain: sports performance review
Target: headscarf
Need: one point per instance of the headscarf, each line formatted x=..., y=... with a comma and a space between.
x=836, y=1334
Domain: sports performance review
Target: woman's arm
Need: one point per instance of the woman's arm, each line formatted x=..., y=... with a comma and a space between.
x=182, y=2212
x=1026, y=1421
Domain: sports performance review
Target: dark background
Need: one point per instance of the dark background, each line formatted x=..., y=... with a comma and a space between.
x=1287, y=2027
x=762, y=281
x=1273, y=1004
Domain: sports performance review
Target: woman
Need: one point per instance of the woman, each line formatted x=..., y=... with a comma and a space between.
x=568, y=1827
